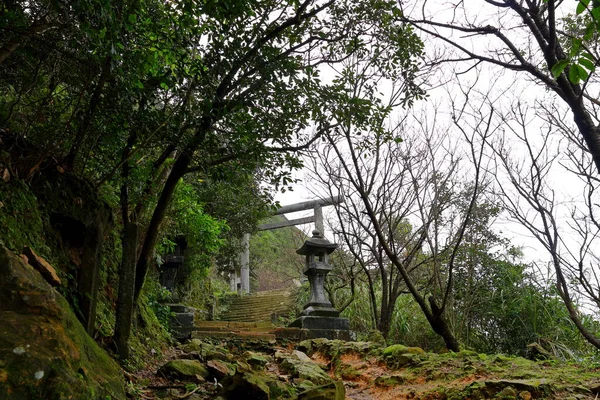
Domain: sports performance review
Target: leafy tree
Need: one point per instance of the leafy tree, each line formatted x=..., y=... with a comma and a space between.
x=136, y=95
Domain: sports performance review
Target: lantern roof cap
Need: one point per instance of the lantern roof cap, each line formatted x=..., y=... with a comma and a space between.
x=316, y=244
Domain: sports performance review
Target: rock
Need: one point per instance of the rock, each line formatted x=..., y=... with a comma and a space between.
x=401, y=349
x=535, y=351
x=42, y=266
x=256, y=360
x=217, y=353
x=350, y=372
x=331, y=391
x=536, y=388
x=45, y=351
x=298, y=368
x=184, y=370
x=301, y=356
x=196, y=345
x=398, y=356
x=333, y=349
x=219, y=369
x=525, y=395
x=247, y=385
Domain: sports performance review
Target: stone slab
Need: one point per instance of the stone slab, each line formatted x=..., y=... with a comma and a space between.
x=318, y=322
x=318, y=310
x=331, y=334
x=241, y=336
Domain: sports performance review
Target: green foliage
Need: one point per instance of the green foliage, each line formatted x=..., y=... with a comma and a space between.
x=202, y=232
x=582, y=30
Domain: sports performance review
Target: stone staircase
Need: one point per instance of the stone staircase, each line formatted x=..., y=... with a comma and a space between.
x=261, y=306
x=250, y=318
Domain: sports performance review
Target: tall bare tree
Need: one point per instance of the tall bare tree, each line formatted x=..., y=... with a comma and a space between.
x=398, y=220
x=562, y=218
x=534, y=37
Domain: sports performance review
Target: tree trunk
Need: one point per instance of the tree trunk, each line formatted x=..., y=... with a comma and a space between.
x=177, y=172
x=385, y=321
x=125, y=304
x=440, y=326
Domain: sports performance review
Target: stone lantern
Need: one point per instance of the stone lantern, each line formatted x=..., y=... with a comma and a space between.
x=319, y=318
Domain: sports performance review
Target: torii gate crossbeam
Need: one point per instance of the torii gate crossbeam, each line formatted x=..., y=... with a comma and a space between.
x=243, y=278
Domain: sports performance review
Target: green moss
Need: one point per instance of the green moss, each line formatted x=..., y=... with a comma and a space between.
x=55, y=356
x=184, y=369
x=21, y=220
x=149, y=336
x=396, y=349
x=389, y=380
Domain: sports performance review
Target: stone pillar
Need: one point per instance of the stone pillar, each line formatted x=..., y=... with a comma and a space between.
x=245, y=264
x=232, y=280
x=318, y=210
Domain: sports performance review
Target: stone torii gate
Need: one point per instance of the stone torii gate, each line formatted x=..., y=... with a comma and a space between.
x=240, y=280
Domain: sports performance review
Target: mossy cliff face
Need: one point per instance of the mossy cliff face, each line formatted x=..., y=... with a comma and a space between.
x=45, y=352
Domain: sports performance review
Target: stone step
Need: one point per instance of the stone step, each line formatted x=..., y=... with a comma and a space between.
x=241, y=336
x=283, y=310
x=232, y=326
x=259, y=310
x=261, y=306
x=275, y=300
x=178, y=308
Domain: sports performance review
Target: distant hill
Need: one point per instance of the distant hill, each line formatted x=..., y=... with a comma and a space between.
x=274, y=263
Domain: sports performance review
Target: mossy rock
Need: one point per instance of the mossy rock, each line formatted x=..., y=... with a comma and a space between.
x=21, y=219
x=184, y=370
x=193, y=345
x=468, y=353
x=332, y=391
x=255, y=360
x=333, y=349
x=253, y=385
x=504, y=389
x=220, y=369
x=217, y=353
x=45, y=351
x=396, y=349
x=302, y=368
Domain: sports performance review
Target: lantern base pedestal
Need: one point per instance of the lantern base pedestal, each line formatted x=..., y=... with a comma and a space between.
x=313, y=327
x=320, y=310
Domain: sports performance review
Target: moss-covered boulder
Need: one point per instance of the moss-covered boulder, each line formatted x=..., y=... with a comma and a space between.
x=184, y=370
x=45, y=353
x=299, y=365
x=248, y=385
x=396, y=349
x=255, y=360
x=333, y=349
x=331, y=391
x=399, y=356
x=220, y=369
x=313, y=383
